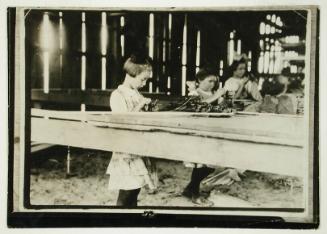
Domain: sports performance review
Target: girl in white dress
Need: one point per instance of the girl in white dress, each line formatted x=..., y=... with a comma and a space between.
x=238, y=86
x=128, y=172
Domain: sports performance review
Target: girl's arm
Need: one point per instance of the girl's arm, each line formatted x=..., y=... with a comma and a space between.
x=240, y=89
x=219, y=93
x=284, y=90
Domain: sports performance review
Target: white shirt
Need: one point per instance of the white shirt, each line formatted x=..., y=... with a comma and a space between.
x=124, y=99
x=232, y=84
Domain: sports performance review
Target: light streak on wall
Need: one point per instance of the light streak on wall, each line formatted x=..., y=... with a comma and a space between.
x=83, y=73
x=122, y=37
x=83, y=49
x=184, y=56
x=198, y=50
x=261, y=62
x=46, y=72
x=103, y=73
x=230, y=48
x=83, y=33
x=239, y=47
x=221, y=67
x=151, y=34
x=104, y=43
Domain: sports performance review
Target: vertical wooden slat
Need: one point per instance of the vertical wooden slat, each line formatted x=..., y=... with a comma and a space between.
x=54, y=52
x=93, y=50
x=191, y=46
x=165, y=54
x=312, y=61
x=158, y=51
x=71, y=70
x=250, y=27
x=114, y=57
x=168, y=57
x=20, y=57
x=176, y=52
x=104, y=49
x=136, y=33
x=34, y=64
x=212, y=40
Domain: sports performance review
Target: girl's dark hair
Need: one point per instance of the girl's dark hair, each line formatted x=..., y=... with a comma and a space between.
x=204, y=73
x=272, y=87
x=235, y=64
x=136, y=64
x=230, y=70
x=286, y=71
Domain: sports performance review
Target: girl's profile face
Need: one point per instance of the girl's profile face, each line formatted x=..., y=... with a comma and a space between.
x=208, y=83
x=141, y=79
x=240, y=70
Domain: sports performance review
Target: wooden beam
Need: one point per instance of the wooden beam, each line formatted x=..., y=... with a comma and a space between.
x=36, y=147
x=266, y=128
x=93, y=97
x=184, y=138
x=72, y=96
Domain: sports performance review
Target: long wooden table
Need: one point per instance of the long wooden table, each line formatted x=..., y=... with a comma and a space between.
x=261, y=142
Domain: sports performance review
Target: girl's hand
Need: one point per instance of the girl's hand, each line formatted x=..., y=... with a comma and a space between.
x=244, y=80
x=220, y=92
x=240, y=89
x=146, y=101
x=143, y=102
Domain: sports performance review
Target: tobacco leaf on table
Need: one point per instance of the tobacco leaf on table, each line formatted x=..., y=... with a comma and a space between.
x=195, y=104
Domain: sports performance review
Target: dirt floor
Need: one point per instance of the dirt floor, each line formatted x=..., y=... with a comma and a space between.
x=88, y=185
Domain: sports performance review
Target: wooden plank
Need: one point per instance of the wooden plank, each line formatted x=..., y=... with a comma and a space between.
x=284, y=128
x=81, y=114
x=36, y=147
x=275, y=129
x=163, y=143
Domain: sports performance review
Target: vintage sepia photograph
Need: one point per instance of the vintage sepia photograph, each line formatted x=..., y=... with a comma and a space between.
x=174, y=112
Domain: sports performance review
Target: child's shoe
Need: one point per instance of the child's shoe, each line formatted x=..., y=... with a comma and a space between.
x=201, y=201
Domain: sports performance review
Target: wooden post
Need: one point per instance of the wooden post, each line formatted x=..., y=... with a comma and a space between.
x=310, y=115
x=19, y=131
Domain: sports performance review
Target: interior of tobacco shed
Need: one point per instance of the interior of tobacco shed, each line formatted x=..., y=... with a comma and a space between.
x=74, y=60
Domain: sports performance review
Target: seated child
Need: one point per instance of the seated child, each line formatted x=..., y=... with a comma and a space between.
x=277, y=98
x=206, y=80
x=204, y=85
x=129, y=173
x=238, y=86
